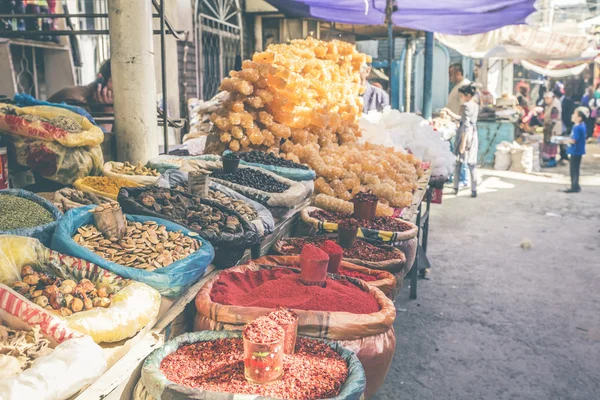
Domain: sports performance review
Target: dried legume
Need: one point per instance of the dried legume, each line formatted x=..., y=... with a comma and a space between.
x=18, y=212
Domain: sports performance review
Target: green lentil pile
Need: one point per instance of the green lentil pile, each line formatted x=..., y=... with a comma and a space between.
x=17, y=212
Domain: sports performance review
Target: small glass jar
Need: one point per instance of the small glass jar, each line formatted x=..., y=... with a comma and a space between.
x=263, y=363
x=291, y=332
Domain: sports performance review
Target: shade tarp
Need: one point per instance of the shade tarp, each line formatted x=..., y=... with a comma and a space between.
x=455, y=17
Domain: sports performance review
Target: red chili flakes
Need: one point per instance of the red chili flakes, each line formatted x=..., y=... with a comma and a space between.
x=315, y=371
x=288, y=321
x=360, y=250
x=263, y=330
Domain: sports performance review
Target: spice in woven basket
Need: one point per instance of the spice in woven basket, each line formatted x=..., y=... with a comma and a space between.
x=18, y=212
x=314, y=371
x=147, y=245
x=360, y=250
x=107, y=185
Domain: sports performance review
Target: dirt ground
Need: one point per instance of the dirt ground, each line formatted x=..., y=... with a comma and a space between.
x=497, y=321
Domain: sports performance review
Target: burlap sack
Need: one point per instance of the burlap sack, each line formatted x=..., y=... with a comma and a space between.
x=370, y=336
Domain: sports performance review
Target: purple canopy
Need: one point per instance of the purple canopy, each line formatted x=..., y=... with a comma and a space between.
x=456, y=17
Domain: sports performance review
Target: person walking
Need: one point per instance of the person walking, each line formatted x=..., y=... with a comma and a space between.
x=576, y=148
x=466, y=142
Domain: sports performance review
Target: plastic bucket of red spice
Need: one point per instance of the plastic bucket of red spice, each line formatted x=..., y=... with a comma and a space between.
x=288, y=321
x=313, y=266
x=365, y=206
x=335, y=253
x=263, y=351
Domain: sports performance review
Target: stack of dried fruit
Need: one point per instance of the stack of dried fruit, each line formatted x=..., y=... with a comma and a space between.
x=147, y=246
x=18, y=212
x=302, y=99
x=20, y=348
x=314, y=371
x=252, y=178
x=245, y=209
x=128, y=169
x=189, y=210
x=62, y=296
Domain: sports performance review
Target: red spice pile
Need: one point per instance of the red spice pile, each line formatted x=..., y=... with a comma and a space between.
x=281, y=287
x=315, y=371
x=330, y=247
x=312, y=253
x=283, y=316
x=263, y=330
x=357, y=274
x=380, y=223
x=288, y=321
x=360, y=250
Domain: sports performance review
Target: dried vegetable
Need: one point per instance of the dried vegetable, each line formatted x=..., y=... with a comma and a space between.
x=379, y=223
x=64, y=297
x=302, y=100
x=107, y=185
x=360, y=250
x=189, y=211
x=146, y=246
x=19, y=349
x=18, y=212
x=281, y=287
x=314, y=371
x=128, y=169
x=252, y=178
x=260, y=157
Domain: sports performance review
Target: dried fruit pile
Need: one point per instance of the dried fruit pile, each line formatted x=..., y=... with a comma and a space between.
x=128, y=169
x=281, y=287
x=302, y=99
x=19, y=349
x=17, y=212
x=147, y=246
x=62, y=296
x=379, y=223
x=245, y=209
x=314, y=371
x=360, y=250
x=189, y=210
x=252, y=178
x=260, y=157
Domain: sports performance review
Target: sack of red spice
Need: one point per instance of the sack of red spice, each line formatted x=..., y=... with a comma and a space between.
x=382, y=280
x=370, y=336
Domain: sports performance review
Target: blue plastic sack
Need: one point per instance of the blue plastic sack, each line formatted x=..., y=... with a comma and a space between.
x=170, y=281
x=295, y=174
x=158, y=386
x=43, y=233
x=25, y=100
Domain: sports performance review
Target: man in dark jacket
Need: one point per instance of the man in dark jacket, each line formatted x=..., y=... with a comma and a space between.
x=568, y=106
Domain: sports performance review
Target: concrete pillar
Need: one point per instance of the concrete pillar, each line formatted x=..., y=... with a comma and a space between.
x=134, y=84
x=258, y=37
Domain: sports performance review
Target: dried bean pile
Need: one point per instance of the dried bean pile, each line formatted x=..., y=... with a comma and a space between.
x=17, y=212
x=260, y=157
x=252, y=178
x=281, y=287
x=189, y=211
x=378, y=223
x=360, y=250
x=314, y=371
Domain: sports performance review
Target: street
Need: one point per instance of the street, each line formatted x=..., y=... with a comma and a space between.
x=512, y=307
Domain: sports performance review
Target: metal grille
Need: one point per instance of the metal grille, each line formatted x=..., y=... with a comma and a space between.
x=219, y=39
x=188, y=87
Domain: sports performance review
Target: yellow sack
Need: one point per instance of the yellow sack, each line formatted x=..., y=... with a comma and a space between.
x=134, y=305
x=90, y=135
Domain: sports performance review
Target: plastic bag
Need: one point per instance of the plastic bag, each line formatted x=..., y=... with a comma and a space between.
x=295, y=174
x=370, y=336
x=290, y=198
x=75, y=362
x=80, y=185
x=90, y=136
x=56, y=162
x=371, y=234
x=385, y=281
x=265, y=224
x=42, y=232
x=107, y=170
x=170, y=281
x=158, y=386
x=133, y=306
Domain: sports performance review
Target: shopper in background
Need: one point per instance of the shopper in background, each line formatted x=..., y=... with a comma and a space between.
x=589, y=95
x=466, y=142
x=457, y=78
x=594, y=106
x=576, y=148
x=374, y=98
x=568, y=106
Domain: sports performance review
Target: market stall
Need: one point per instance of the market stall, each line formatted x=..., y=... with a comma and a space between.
x=295, y=195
